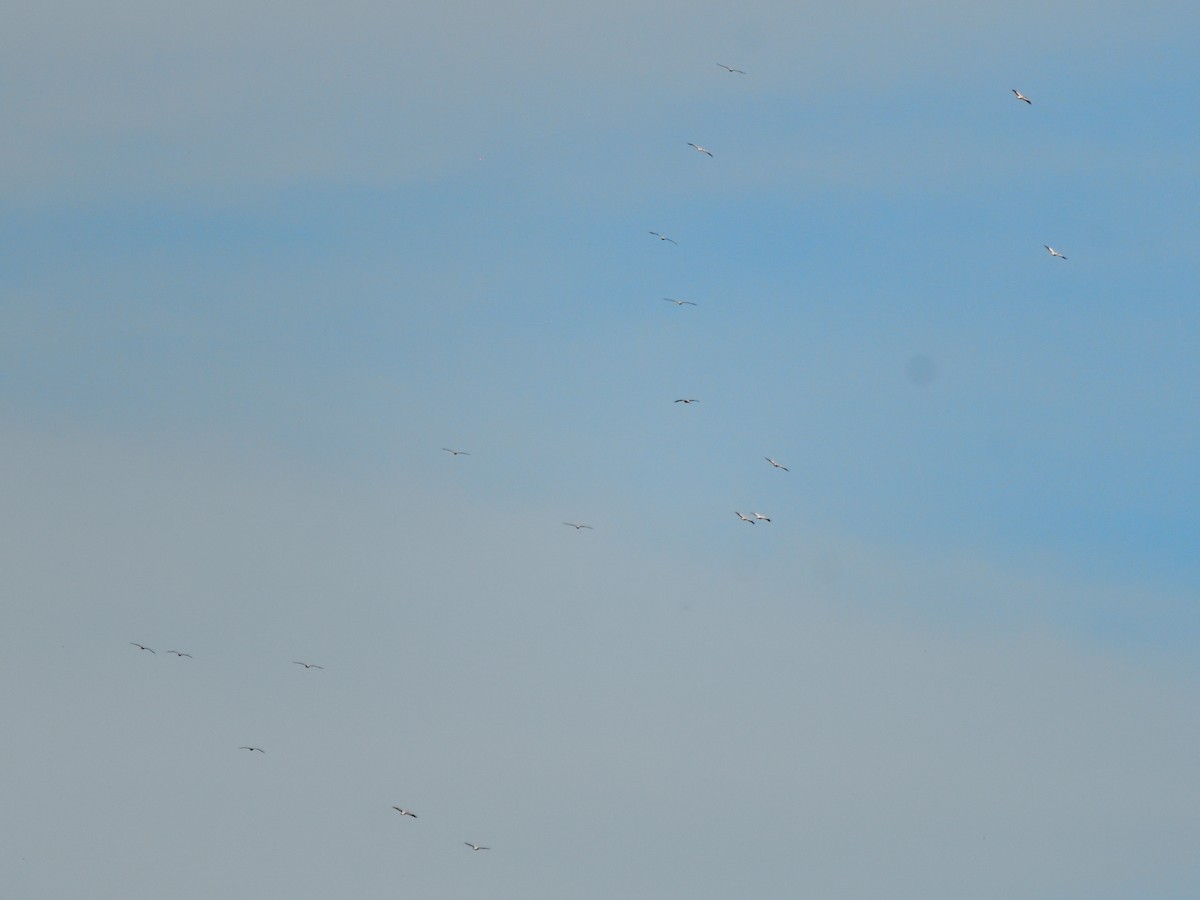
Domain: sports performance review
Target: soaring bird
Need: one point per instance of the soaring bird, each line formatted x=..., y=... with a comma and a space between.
x=679, y=302
x=759, y=517
x=1021, y=96
x=142, y=646
x=688, y=400
x=181, y=653
x=476, y=846
x=743, y=518
x=577, y=527
x=1053, y=252
x=730, y=69
x=699, y=149
x=663, y=237
x=404, y=812
x=456, y=452
x=306, y=665
x=775, y=464
x=253, y=749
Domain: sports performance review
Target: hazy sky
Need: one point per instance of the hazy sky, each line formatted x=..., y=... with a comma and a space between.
x=262, y=262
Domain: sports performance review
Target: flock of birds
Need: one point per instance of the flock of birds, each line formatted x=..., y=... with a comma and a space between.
x=752, y=518
x=253, y=748
x=687, y=401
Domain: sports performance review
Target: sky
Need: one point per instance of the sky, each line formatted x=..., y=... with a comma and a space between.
x=262, y=263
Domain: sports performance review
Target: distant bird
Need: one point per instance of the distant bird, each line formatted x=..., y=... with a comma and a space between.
x=476, y=846
x=253, y=749
x=1053, y=252
x=759, y=517
x=142, y=646
x=307, y=665
x=404, y=812
x=577, y=527
x=456, y=452
x=689, y=400
x=775, y=464
x=699, y=149
x=743, y=518
x=679, y=302
x=730, y=69
x=663, y=237
x=181, y=653
x=1021, y=96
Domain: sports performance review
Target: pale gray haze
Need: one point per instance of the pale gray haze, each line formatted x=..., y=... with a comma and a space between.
x=323, y=325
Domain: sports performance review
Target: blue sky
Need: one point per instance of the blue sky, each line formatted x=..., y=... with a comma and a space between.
x=261, y=265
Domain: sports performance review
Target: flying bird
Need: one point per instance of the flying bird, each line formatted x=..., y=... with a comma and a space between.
x=404, y=812
x=689, y=400
x=253, y=749
x=577, y=527
x=730, y=69
x=679, y=302
x=456, y=452
x=775, y=464
x=1021, y=96
x=743, y=518
x=1053, y=252
x=759, y=517
x=699, y=149
x=181, y=653
x=306, y=665
x=663, y=237
x=142, y=646
x=476, y=846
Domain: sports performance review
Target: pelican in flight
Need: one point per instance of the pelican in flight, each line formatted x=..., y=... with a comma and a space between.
x=775, y=464
x=456, y=452
x=577, y=527
x=663, y=237
x=1021, y=96
x=142, y=646
x=679, y=302
x=181, y=653
x=1053, y=252
x=306, y=665
x=253, y=749
x=686, y=401
x=730, y=69
x=759, y=517
x=476, y=846
x=743, y=518
x=404, y=812
x=699, y=149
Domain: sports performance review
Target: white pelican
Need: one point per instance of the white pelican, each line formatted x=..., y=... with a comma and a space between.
x=456, y=452
x=663, y=237
x=699, y=149
x=1021, y=96
x=730, y=69
x=679, y=302
x=775, y=464
x=306, y=665
x=253, y=749
x=577, y=527
x=476, y=846
x=688, y=400
x=759, y=517
x=1053, y=252
x=142, y=646
x=404, y=812
x=743, y=518
x=181, y=653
